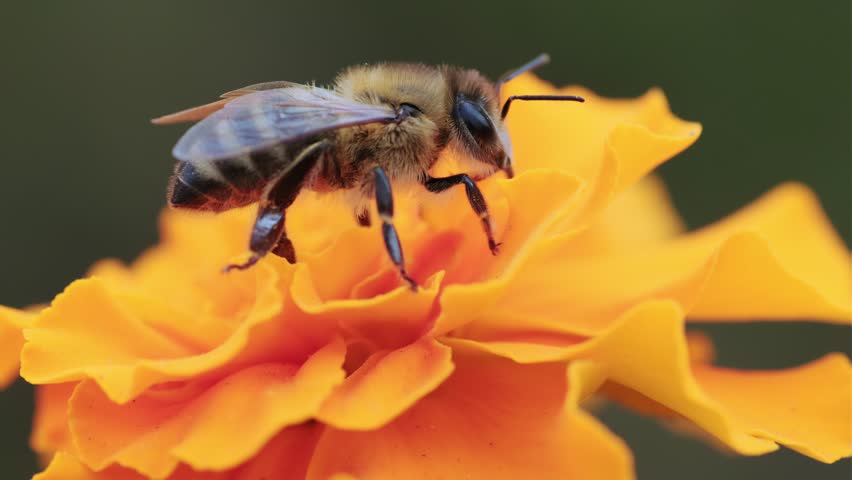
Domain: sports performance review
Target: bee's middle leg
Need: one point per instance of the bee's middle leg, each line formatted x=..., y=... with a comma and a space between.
x=362, y=216
x=269, y=234
x=384, y=204
x=474, y=197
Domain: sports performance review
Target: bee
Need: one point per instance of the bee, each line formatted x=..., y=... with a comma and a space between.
x=378, y=125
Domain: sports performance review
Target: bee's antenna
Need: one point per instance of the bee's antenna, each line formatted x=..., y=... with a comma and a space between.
x=536, y=62
x=570, y=98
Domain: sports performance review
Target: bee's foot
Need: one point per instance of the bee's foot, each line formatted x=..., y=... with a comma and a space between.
x=363, y=218
x=242, y=266
x=494, y=246
x=411, y=283
x=285, y=250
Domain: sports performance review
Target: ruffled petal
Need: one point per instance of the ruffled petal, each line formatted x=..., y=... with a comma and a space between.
x=486, y=421
x=638, y=218
x=386, y=385
x=317, y=221
x=799, y=267
x=807, y=408
x=388, y=320
x=611, y=145
x=750, y=266
x=87, y=317
x=536, y=200
x=604, y=455
x=65, y=466
x=647, y=352
x=50, y=420
x=464, y=255
x=630, y=152
x=12, y=322
x=94, y=331
x=198, y=426
x=184, y=272
x=285, y=457
x=642, y=132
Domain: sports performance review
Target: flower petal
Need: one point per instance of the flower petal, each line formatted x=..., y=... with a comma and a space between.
x=117, y=340
x=155, y=432
x=637, y=218
x=807, y=408
x=553, y=347
x=285, y=457
x=803, y=273
x=486, y=421
x=647, y=352
x=643, y=130
x=604, y=455
x=612, y=143
x=388, y=320
x=790, y=275
x=316, y=221
x=65, y=466
x=11, y=340
x=48, y=358
x=184, y=272
x=50, y=420
x=464, y=253
x=536, y=200
x=386, y=385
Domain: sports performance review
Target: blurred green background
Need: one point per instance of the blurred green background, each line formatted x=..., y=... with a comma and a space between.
x=84, y=174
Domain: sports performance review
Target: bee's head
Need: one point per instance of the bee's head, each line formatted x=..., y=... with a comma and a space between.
x=477, y=130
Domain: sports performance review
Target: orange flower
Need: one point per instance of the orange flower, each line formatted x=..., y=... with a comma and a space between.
x=11, y=340
x=169, y=369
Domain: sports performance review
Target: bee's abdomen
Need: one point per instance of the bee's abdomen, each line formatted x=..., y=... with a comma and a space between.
x=217, y=186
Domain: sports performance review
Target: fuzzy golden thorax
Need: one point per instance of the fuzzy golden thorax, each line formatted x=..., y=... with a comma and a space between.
x=408, y=149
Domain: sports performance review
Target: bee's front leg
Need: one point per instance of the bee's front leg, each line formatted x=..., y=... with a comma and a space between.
x=269, y=234
x=474, y=197
x=384, y=203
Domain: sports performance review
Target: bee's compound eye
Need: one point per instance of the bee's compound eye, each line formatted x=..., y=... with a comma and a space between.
x=474, y=118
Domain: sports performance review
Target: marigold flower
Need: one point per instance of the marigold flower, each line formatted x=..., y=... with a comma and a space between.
x=169, y=369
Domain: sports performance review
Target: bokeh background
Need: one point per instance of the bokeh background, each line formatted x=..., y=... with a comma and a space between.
x=84, y=173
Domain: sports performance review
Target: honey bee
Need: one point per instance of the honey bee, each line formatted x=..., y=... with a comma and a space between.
x=378, y=125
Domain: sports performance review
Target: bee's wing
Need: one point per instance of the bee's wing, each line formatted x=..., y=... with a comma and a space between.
x=261, y=119
x=195, y=114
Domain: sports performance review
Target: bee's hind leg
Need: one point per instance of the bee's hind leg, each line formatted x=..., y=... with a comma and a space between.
x=384, y=202
x=268, y=234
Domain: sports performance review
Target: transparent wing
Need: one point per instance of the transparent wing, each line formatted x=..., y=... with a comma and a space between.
x=195, y=114
x=262, y=119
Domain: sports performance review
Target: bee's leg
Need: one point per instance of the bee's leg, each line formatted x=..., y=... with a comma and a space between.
x=269, y=234
x=474, y=197
x=362, y=215
x=384, y=202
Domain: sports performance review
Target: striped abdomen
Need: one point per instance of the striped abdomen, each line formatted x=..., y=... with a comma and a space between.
x=226, y=183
